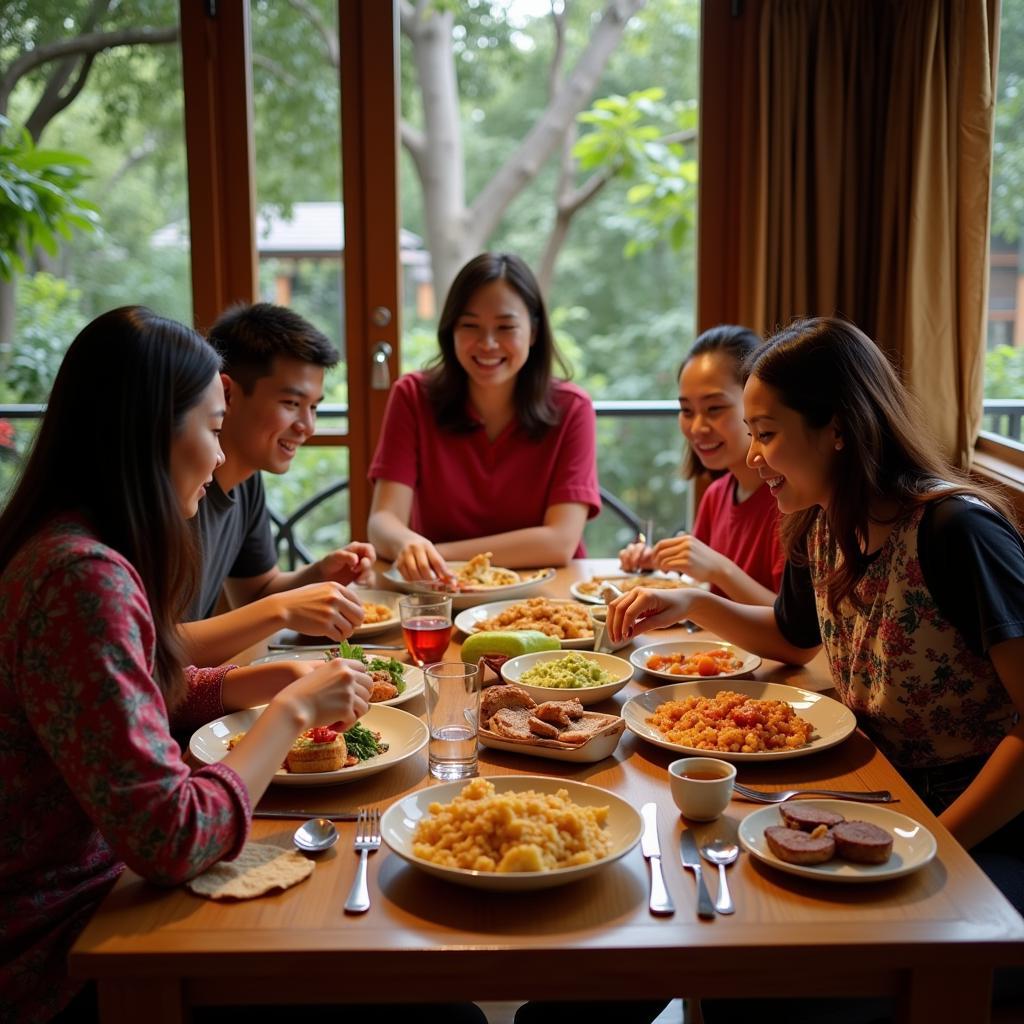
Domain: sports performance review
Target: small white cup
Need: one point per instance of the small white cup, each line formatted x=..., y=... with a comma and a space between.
x=598, y=619
x=701, y=786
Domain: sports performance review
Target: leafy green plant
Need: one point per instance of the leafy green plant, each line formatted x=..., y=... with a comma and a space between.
x=38, y=201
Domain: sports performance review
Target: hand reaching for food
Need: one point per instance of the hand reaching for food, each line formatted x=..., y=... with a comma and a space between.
x=641, y=609
x=686, y=554
x=350, y=564
x=420, y=560
x=320, y=609
x=637, y=557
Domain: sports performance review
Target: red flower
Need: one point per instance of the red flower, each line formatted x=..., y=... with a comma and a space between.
x=6, y=434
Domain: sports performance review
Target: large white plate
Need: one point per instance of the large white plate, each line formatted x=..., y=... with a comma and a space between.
x=832, y=721
x=405, y=734
x=681, y=582
x=467, y=621
x=413, y=676
x=913, y=845
x=618, y=668
x=385, y=597
x=469, y=598
x=640, y=657
x=401, y=818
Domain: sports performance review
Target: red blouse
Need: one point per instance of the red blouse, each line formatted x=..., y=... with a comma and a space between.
x=90, y=776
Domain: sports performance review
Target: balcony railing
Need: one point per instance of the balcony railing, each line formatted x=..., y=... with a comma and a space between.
x=1002, y=417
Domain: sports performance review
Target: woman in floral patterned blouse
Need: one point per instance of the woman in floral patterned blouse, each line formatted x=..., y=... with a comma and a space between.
x=910, y=576
x=96, y=567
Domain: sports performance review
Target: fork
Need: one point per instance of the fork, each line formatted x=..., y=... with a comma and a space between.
x=367, y=841
x=874, y=796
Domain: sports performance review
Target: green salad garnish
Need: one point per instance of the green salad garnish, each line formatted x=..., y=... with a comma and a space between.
x=362, y=743
x=354, y=652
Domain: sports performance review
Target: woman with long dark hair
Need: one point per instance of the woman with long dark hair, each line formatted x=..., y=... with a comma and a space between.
x=487, y=450
x=910, y=575
x=96, y=567
x=734, y=544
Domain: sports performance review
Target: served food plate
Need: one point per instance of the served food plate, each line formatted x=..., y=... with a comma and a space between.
x=382, y=597
x=413, y=676
x=618, y=668
x=589, y=590
x=468, y=620
x=405, y=735
x=832, y=721
x=399, y=823
x=597, y=748
x=688, y=648
x=913, y=845
x=530, y=579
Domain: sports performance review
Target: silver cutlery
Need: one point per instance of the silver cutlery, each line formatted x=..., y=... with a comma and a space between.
x=289, y=815
x=691, y=859
x=367, y=841
x=722, y=853
x=316, y=648
x=315, y=835
x=874, y=796
x=660, y=902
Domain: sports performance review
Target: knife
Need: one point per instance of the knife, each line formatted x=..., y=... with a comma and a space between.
x=661, y=902
x=297, y=815
x=313, y=648
x=691, y=860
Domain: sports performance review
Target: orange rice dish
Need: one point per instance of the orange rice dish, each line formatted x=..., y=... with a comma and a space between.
x=704, y=663
x=731, y=723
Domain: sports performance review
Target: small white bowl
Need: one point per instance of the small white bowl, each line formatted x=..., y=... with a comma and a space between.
x=620, y=670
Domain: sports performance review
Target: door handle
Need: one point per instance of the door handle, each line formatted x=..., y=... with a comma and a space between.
x=380, y=372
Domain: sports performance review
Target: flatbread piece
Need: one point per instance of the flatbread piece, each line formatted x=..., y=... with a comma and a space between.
x=258, y=869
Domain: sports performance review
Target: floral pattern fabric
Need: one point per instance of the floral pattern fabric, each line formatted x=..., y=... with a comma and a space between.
x=90, y=777
x=900, y=665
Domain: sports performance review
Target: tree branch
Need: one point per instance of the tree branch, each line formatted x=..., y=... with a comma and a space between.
x=414, y=141
x=327, y=34
x=84, y=45
x=272, y=67
x=407, y=17
x=51, y=104
x=540, y=142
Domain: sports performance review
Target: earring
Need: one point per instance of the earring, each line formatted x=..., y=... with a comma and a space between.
x=839, y=446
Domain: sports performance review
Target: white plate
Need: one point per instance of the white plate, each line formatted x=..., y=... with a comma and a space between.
x=583, y=595
x=467, y=621
x=413, y=676
x=467, y=599
x=620, y=670
x=913, y=845
x=401, y=818
x=597, y=748
x=386, y=597
x=640, y=657
x=832, y=721
x=406, y=736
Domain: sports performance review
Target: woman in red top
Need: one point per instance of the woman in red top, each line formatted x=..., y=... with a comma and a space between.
x=486, y=451
x=97, y=564
x=735, y=541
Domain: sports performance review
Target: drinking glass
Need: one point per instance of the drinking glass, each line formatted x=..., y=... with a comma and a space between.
x=426, y=626
x=452, y=690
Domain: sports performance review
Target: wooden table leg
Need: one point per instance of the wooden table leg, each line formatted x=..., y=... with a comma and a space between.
x=961, y=995
x=153, y=1000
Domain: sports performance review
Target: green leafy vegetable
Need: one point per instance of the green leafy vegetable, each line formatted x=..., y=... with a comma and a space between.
x=353, y=652
x=362, y=743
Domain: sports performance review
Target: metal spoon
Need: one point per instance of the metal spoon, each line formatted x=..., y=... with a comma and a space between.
x=315, y=835
x=721, y=853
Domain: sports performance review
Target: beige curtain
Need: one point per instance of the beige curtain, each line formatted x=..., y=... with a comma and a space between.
x=866, y=155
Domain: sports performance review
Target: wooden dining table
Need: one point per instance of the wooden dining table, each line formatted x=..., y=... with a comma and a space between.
x=930, y=939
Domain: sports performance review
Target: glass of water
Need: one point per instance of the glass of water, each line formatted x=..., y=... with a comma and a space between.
x=452, y=690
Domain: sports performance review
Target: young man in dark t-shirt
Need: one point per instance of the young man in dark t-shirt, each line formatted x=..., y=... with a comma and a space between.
x=273, y=374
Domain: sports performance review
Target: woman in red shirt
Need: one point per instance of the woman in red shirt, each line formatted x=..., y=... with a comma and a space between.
x=486, y=451
x=97, y=564
x=734, y=545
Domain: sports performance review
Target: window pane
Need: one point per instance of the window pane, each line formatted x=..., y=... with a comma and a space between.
x=1004, y=356
x=620, y=287
x=112, y=120
x=296, y=98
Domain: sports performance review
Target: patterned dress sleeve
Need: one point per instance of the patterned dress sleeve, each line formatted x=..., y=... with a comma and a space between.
x=90, y=697
x=203, y=701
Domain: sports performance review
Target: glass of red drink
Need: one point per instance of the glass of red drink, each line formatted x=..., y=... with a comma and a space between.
x=426, y=626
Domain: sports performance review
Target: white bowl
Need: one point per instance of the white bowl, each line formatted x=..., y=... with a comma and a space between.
x=620, y=670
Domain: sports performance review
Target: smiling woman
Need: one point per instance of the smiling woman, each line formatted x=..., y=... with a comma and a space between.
x=486, y=451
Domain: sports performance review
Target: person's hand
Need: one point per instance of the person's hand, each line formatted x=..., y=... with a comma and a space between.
x=641, y=609
x=420, y=560
x=320, y=609
x=335, y=693
x=686, y=554
x=350, y=564
x=637, y=557
x=249, y=686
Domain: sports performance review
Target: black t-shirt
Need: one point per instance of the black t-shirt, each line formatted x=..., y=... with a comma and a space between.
x=972, y=561
x=234, y=538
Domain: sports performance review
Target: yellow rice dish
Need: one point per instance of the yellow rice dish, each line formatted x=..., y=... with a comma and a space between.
x=481, y=830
